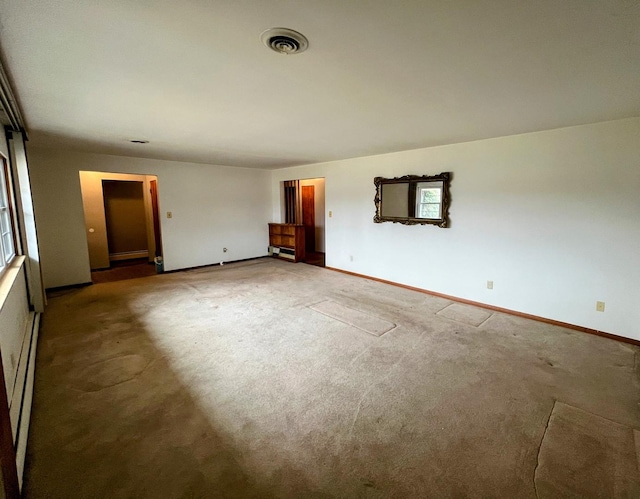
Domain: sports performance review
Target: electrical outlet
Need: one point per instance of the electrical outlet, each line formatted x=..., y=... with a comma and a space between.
x=330, y=214
x=489, y=284
x=600, y=306
x=169, y=214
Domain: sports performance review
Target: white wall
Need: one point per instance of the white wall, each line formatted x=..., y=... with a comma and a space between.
x=14, y=317
x=553, y=218
x=212, y=206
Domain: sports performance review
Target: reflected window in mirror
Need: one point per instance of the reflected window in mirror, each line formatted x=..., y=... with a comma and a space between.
x=429, y=200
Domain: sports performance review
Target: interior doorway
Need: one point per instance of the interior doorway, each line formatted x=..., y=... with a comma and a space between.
x=303, y=202
x=122, y=224
x=309, y=217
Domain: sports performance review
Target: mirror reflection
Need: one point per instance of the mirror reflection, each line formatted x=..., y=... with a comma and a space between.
x=413, y=199
x=395, y=200
x=429, y=200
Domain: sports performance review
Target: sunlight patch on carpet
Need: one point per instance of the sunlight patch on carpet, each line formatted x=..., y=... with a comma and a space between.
x=356, y=318
x=467, y=314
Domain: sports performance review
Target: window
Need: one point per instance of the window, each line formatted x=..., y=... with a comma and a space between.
x=429, y=200
x=7, y=241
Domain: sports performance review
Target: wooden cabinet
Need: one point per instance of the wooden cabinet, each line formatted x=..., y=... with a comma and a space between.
x=287, y=241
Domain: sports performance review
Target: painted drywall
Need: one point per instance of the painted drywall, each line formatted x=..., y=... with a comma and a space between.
x=14, y=316
x=318, y=193
x=212, y=207
x=552, y=218
x=125, y=214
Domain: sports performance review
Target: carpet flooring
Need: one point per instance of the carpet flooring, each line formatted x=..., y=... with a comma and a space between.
x=123, y=270
x=267, y=379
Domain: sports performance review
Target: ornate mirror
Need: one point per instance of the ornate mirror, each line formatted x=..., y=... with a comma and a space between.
x=413, y=199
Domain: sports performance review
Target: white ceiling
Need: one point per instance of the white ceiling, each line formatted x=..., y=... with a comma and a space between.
x=193, y=78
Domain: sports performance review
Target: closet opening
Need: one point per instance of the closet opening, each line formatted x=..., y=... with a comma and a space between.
x=122, y=224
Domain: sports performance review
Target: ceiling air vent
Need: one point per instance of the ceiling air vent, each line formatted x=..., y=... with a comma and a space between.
x=284, y=41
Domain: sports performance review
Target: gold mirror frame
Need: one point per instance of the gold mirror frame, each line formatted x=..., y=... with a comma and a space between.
x=412, y=181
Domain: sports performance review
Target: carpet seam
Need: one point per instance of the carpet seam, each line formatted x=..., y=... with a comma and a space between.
x=490, y=315
x=462, y=322
x=544, y=433
x=385, y=377
x=395, y=326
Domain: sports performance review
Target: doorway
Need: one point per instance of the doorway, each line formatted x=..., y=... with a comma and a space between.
x=303, y=202
x=122, y=224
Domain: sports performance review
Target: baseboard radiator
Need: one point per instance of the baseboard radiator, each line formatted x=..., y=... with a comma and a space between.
x=22, y=396
x=288, y=253
x=128, y=255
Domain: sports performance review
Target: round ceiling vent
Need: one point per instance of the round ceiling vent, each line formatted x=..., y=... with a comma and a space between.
x=284, y=41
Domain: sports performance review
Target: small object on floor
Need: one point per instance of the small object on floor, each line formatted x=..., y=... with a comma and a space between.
x=159, y=264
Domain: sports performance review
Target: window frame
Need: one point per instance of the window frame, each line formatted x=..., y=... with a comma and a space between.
x=437, y=186
x=7, y=219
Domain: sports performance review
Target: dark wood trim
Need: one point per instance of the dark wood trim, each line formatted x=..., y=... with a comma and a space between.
x=497, y=309
x=7, y=448
x=71, y=286
x=155, y=212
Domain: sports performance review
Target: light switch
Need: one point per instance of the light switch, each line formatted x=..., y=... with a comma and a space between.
x=169, y=214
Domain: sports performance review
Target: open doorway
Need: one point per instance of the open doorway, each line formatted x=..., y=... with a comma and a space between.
x=122, y=224
x=303, y=203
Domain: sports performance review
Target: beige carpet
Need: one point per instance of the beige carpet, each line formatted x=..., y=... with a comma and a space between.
x=226, y=383
x=361, y=320
x=606, y=467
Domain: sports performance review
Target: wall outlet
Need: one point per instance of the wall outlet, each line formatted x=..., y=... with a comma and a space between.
x=489, y=284
x=169, y=214
x=600, y=306
x=330, y=214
